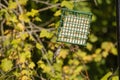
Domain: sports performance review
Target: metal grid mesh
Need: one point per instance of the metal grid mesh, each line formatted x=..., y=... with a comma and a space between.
x=74, y=27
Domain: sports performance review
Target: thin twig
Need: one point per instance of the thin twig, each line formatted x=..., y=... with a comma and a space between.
x=5, y=2
x=43, y=2
x=95, y=1
x=43, y=50
x=20, y=8
x=49, y=7
x=40, y=28
x=87, y=76
x=2, y=5
x=2, y=29
x=47, y=22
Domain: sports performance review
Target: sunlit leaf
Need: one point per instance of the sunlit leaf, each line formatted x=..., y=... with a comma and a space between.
x=98, y=50
x=37, y=19
x=24, y=17
x=24, y=72
x=89, y=46
x=50, y=54
x=24, y=36
x=105, y=54
x=66, y=69
x=45, y=68
x=24, y=56
x=67, y=4
x=54, y=39
x=16, y=41
x=63, y=53
x=6, y=64
x=94, y=18
x=6, y=42
x=88, y=58
x=74, y=62
x=11, y=3
x=25, y=78
x=107, y=45
x=39, y=46
x=114, y=51
x=13, y=18
x=57, y=13
x=31, y=65
x=106, y=76
x=32, y=13
x=45, y=33
x=98, y=58
x=2, y=12
x=23, y=2
x=115, y=78
x=40, y=64
x=20, y=27
x=27, y=47
x=78, y=70
x=93, y=38
x=81, y=53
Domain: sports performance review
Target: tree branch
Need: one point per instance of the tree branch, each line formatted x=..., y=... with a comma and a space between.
x=49, y=7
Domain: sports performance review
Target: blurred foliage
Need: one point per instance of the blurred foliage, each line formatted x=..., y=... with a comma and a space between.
x=28, y=47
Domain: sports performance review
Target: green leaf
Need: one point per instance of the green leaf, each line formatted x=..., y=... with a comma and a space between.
x=45, y=33
x=24, y=36
x=39, y=46
x=106, y=76
x=12, y=5
x=49, y=55
x=37, y=19
x=89, y=46
x=63, y=53
x=107, y=45
x=16, y=41
x=23, y=2
x=46, y=68
x=100, y=1
x=13, y=18
x=54, y=1
x=78, y=69
x=2, y=12
x=115, y=78
x=81, y=53
x=94, y=18
x=32, y=13
x=24, y=56
x=67, y=4
x=93, y=38
x=6, y=42
x=98, y=58
x=105, y=54
x=114, y=51
x=98, y=50
x=24, y=17
x=6, y=64
x=57, y=13
x=31, y=65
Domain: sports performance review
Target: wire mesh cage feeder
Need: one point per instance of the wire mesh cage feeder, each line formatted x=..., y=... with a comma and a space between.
x=74, y=27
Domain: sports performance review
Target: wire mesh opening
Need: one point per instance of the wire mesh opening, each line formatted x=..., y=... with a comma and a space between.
x=74, y=27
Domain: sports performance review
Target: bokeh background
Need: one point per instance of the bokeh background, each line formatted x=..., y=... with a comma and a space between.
x=28, y=46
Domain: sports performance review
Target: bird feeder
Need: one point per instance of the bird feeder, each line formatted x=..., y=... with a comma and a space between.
x=74, y=27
